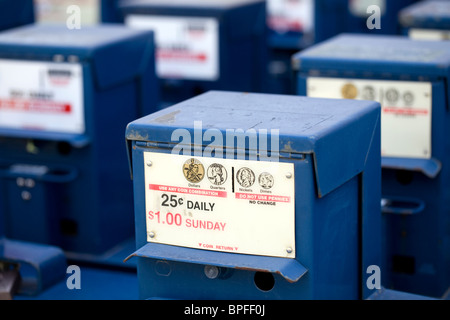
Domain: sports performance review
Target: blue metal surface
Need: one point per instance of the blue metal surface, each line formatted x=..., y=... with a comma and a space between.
x=95, y=284
x=327, y=17
x=16, y=13
x=430, y=14
x=387, y=294
x=336, y=240
x=283, y=43
x=429, y=167
x=280, y=77
x=41, y=266
x=289, y=269
x=81, y=195
x=417, y=243
x=43, y=272
x=349, y=55
x=112, y=258
x=242, y=44
x=110, y=12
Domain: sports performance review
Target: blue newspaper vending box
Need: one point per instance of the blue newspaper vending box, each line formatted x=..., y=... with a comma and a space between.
x=28, y=268
x=292, y=26
x=256, y=196
x=297, y=24
x=203, y=44
x=410, y=80
x=374, y=16
x=65, y=99
x=16, y=13
x=426, y=20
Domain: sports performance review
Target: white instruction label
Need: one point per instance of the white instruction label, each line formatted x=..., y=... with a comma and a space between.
x=405, y=115
x=235, y=206
x=291, y=15
x=187, y=47
x=359, y=7
x=41, y=96
x=429, y=34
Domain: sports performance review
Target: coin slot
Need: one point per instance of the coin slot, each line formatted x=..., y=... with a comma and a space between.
x=403, y=264
x=68, y=227
x=404, y=177
x=64, y=148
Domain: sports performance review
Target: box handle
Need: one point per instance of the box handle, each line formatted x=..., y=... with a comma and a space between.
x=404, y=206
x=52, y=174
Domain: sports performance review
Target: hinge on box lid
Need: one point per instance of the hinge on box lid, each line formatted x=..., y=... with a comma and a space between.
x=151, y=144
x=141, y=143
x=292, y=155
x=159, y=145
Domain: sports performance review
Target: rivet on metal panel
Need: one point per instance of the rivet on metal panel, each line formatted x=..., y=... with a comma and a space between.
x=26, y=195
x=58, y=58
x=20, y=182
x=151, y=234
x=289, y=175
x=149, y=163
x=29, y=183
x=289, y=250
x=73, y=59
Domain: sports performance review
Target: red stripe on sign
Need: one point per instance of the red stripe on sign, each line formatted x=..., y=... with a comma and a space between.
x=199, y=192
x=406, y=111
x=181, y=55
x=280, y=23
x=35, y=106
x=263, y=197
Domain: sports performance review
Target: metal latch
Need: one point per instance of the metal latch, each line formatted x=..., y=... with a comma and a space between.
x=9, y=280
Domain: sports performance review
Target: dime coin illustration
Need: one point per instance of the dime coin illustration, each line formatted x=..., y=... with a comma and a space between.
x=392, y=95
x=265, y=180
x=408, y=96
x=245, y=177
x=193, y=170
x=217, y=174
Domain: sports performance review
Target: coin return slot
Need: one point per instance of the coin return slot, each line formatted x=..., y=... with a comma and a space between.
x=404, y=177
x=264, y=281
